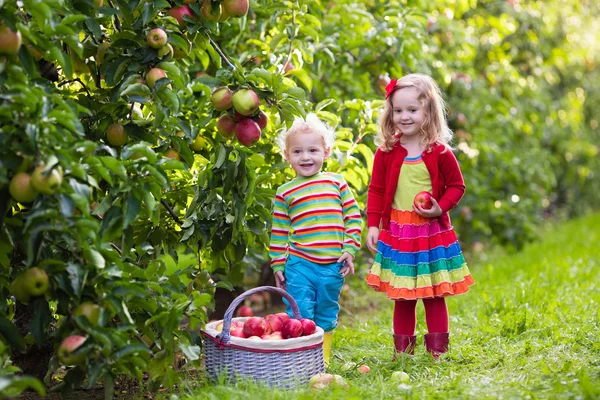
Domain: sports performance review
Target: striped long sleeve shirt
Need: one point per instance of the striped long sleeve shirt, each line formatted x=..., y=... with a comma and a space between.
x=315, y=218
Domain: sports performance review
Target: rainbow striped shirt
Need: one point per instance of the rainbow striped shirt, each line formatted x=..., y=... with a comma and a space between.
x=315, y=218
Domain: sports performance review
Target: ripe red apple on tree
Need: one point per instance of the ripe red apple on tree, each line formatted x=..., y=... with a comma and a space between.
x=236, y=8
x=254, y=326
x=46, y=182
x=245, y=311
x=245, y=101
x=221, y=98
x=154, y=75
x=157, y=38
x=31, y=283
x=291, y=329
x=308, y=326
x=116, y=136
x=226, y=125
x=88, y=310
x=423, y=199
x=179, y=12
x=262, y=120
x=247, y=131
x=68, y=347
x=10, y=41
x=20, y=188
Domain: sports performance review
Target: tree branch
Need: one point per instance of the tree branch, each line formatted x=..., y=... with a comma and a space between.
x=170, y=210
x=220, y=52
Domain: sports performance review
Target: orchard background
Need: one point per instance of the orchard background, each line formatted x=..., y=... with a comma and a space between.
x=146, y=210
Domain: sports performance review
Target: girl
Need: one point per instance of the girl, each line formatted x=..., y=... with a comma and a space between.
x=417, y=253
x=316, y=227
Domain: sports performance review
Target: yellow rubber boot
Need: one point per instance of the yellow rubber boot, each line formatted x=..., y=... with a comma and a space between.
x=327, y=339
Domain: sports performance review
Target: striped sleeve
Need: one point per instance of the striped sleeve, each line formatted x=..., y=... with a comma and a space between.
x=352, y=220
x=279, y=234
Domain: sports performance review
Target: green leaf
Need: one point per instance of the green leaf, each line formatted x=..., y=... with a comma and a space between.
x=11, y=334
x=133, y=207
x=13, y=386
x=40, y=320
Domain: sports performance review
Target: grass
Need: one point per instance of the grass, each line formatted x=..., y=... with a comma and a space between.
x=529, y=328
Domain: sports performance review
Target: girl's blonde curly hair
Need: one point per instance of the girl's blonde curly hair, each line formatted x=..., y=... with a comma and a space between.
x=434, y=130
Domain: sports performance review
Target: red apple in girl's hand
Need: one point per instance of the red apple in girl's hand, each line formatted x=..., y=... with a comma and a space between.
x=254, y=326
x=291, y=329
x=275, y=322
x=308, y=326
x=423, y=199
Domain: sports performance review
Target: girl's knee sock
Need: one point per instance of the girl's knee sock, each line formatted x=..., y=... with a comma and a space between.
x=405, y=317
x=436, y=315
x=327, y=339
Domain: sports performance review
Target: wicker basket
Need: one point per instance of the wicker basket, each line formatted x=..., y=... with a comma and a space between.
x=284, y=364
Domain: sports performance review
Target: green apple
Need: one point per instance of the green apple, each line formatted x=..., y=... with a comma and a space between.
x=236, y=8
x=20, y=188
x=199, y=143
x=46, y=182
x=172, y=153
x=116, y=136
x=245, y=101
x=166, y=50
x=400, y=376
x=10, y=41
x=68, y=347
x=31, y=283
x=98, y=3
x=101, y=52
x=90, y=311
x=211, y=13
x=156, y=38
x=222, y=98
x=154, y=75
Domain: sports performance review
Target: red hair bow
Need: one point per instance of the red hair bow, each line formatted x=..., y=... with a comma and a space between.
x=390, y=88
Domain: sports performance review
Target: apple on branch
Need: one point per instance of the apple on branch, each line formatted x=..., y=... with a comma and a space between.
x=116, y=136
x=245, y=101
x=10, y=41
x=68, y=347
x=247, y=132
x=46, y=182
x=222, y=98
x=88, y=310
x=20, y=188
x=226, y=125
x=236, y=8
x=179, y=12
x=31, y=283
x=157, y=38
x=154, y=75
x=211, y=13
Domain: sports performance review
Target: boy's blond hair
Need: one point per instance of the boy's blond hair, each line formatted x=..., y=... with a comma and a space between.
x=434, y=130
x=312, y=123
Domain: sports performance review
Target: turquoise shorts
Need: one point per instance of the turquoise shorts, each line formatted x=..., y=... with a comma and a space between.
x=316, y=288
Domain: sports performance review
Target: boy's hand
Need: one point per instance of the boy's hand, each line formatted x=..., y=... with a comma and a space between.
x=348, y=267
x=434, y=212
x=280, y=280
x=372, y=238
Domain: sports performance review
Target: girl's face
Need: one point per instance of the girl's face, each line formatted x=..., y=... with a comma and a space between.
x=306, y=153
x=408, y=113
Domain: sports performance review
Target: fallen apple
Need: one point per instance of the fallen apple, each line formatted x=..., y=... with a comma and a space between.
x=338, y=380
x=400, y=376
x=423, y=199
x=320, y=381
x=364, y=369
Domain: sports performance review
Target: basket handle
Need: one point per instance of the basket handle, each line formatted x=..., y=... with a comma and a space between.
x=225, y=336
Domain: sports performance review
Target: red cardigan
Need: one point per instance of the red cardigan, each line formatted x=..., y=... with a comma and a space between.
x=446, y=180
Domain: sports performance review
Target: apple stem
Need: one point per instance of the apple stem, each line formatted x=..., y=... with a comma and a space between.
x=220, y=52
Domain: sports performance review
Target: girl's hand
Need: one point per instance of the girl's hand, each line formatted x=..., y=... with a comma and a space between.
x=372, y=238
x=434, y=212
x=348, y=267
x=280, y=280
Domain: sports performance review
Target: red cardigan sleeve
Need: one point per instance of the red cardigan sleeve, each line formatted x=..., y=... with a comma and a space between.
x=453, y=179
x=376, y=193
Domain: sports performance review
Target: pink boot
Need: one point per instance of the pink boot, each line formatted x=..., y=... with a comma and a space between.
x=404, y=344
x=437, y=343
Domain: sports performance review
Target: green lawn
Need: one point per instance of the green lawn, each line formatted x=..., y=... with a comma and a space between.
x=529, y=328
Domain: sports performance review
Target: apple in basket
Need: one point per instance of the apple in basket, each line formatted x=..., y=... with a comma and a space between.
x=254, y=326
x=423, y=199
x=284, y=317
x=237, y=331
x=308, y=326
x=254, y=338
x=275, y=321
x=274, y=336
x=291, y=329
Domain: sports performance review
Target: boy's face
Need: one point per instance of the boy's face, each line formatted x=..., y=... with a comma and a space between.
x=306, y=153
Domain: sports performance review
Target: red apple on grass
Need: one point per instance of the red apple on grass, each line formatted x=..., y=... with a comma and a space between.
x=247, y=132
x=46, y=182
x=20, y=188
x=236, y=8
x=226, y=125
x=364, y=369
x=10, y=41
x=320, y=381
x=179, y=12
x=308, y=326
x=245, y=101
x=68, y=347
x=245, y=311
x=221, y=98
x=157, y=38
x=254, y=326
x=423, y=199
x=291, y=329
